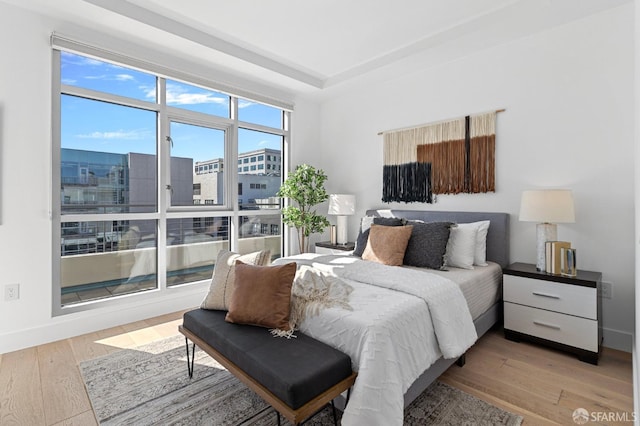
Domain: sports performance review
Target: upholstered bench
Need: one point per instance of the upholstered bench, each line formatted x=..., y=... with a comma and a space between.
x=297, y=376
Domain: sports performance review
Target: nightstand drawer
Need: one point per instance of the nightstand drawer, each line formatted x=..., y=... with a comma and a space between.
x=565, y=329
x=563, y=298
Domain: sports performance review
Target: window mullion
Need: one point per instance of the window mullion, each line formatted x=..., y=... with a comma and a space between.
x=56, y=213
x=260, y=128
x=164, y=184
x=286, y=166
x=232, y=188
x=95, y=95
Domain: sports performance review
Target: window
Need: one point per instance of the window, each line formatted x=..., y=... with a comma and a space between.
x=140, y=199
x=257, y=113
x=193, y=98
x=194, y=143
x=105, y=151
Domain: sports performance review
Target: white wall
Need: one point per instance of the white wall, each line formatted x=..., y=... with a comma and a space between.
x=305, y=148
x=25, y=184
x=568, y=124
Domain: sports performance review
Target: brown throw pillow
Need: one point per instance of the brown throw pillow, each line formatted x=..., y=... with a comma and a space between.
x=387, y=244
x=223, y=279
x=262, y=295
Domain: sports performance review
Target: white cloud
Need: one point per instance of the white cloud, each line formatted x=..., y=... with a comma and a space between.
x=193, y=98
x=69, y=81
x=107, y=77
x=95, y=77
x=124, y=77
x=80, y=60
x=149, y=92
x=178, y=95
x=118, y=135
x=243, y=103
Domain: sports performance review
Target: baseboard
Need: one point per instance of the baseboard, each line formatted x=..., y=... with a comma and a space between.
x=616, y=339
x=71, y=325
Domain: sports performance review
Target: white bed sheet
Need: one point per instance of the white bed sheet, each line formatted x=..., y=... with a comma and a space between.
x=389, y=336
x=481, y=286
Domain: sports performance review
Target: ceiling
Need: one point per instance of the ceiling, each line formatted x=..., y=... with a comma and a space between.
x=313, y=46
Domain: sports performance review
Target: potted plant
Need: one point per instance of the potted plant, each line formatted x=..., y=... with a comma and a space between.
x=305, y=186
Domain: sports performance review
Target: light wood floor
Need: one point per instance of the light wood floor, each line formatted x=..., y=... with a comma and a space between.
x=42, y=385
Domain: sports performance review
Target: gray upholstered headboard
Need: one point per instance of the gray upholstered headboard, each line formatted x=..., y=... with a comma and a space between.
x=497, y=238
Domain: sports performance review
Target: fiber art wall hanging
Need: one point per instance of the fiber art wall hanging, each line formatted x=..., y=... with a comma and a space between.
x=448, y=157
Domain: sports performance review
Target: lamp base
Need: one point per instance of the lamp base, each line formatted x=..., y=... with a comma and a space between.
x=544, y=232
x=341, y=238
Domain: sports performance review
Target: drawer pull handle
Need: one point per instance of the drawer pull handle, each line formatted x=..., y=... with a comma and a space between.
x=543, y=324
x=550, y=296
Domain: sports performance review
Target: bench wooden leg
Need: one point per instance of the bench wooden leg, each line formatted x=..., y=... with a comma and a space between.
x=190, y=362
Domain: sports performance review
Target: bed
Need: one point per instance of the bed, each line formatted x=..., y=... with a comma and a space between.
x=395, y=343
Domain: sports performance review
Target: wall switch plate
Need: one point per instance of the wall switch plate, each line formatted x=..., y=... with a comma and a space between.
x=11, y=292
x=607, y=290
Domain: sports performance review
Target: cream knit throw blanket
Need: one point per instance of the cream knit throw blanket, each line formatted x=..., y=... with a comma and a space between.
x=312, y=291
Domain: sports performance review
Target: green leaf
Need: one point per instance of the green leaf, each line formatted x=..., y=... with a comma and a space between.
x=305, y=187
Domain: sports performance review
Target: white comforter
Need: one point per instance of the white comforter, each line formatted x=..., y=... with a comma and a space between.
x=402, y=321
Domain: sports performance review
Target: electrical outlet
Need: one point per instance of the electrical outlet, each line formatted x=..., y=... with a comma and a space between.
x=11, y=292
x=607, y=290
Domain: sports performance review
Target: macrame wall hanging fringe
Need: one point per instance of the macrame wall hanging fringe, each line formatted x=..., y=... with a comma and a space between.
x=407, y=182
x=481, y=153
x=448, y=157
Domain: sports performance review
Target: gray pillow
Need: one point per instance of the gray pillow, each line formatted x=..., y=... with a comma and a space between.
x=365, y=224
x=428, y=244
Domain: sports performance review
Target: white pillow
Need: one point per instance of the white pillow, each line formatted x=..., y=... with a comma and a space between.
x=480, y=255
x=461, y=247
x=223, y=278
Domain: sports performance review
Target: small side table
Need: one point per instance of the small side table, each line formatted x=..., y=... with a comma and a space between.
x=325, y=247
x=561, y=312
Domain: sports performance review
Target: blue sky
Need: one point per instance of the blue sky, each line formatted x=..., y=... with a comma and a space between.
x=99, y=126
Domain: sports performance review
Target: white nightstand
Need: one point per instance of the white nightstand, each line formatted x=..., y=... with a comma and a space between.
x=326, y=247
x=562, y=312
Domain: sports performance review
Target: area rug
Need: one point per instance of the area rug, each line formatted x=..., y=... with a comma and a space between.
x=149, y=385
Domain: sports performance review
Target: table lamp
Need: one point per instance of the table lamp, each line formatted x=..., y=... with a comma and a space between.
x=547, y=207
x=342, y=205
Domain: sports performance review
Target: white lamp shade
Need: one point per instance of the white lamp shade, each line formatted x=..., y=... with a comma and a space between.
x=342, y=204
x=547, y=206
